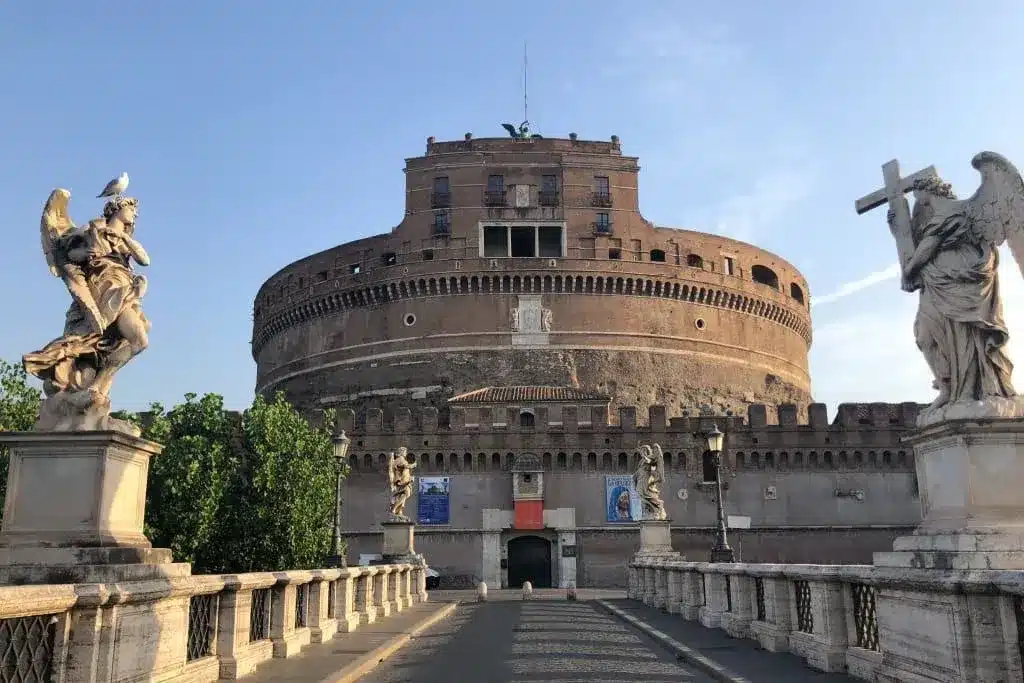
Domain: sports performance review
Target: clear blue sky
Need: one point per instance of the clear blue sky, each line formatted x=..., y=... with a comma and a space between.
x=258, y=132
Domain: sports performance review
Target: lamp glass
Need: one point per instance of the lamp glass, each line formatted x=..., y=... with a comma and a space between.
x=715, y=439
x=341, y=446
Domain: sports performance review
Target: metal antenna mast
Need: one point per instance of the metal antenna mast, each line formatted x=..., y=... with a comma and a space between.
x=526, y=116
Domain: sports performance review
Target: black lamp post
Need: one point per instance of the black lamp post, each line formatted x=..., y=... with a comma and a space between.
x=720, y=552
x=341, y=443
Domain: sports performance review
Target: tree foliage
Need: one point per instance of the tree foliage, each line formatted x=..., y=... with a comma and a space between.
x=229, y=492
x=240, y=493
x=19, y=409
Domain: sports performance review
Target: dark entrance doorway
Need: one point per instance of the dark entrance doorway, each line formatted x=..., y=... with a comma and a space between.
x=529, y=559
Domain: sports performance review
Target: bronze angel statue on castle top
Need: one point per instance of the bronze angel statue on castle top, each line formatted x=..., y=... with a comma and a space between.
x=948, y=252
x=104, y=326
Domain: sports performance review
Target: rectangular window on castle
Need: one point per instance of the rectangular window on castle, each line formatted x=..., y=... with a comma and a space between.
x=730, y=265
x=495, y=183
x=495, y=241
x=549, y=241
x=441, y=184
x=523, y=242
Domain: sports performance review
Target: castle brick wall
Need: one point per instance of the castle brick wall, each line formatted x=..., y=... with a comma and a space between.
x=797, y=479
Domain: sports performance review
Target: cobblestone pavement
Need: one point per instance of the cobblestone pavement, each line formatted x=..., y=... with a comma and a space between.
x=508, y=640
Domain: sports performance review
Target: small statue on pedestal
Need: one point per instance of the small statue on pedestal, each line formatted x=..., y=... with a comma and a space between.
x=400, y=481
x=648, y=478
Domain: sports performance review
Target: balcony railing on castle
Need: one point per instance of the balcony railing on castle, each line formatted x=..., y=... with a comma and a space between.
x=230, y=624
x=494, y=198
x=823, y=613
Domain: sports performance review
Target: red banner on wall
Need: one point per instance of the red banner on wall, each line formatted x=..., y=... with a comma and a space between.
x=529, y=514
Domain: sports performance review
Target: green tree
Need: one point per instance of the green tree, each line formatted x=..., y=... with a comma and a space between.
x=286, y=489
x=248, y=493
x=188, y=482
x=19, y=409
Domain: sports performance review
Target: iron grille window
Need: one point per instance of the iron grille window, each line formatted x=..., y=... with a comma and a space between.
x=442, y=224
x=728, y=593
x=27, y=647
x=759, y=597
x=301, y=605
x=496, y=183
x=548, y=195
x=864, y=616
x=259, y=615
x=603, y=224
x=804, y=616
x=201, y=618
x=331, y=587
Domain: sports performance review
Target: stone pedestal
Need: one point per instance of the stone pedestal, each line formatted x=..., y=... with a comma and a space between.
x=971, y=480
x=75, y=507
x=400, y=543
x=656, y=539
x=970, y=475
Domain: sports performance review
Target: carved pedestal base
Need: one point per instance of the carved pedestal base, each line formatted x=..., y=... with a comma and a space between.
x=75, y=507
x=400, y=543
x=971, y=477
x=655, y=538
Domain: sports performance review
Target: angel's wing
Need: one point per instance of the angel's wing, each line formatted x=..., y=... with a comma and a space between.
x=996, y=210
x=659, y=458
x=511, y=129
x=54, y=223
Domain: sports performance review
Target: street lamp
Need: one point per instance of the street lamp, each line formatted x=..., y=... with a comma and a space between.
x=721, y=552
x=341, y=443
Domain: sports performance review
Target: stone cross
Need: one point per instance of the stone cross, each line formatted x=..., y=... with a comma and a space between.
x=893, y=190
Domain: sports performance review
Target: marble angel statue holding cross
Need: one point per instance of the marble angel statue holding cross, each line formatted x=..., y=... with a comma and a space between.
x=948, y=253
x=648, y=478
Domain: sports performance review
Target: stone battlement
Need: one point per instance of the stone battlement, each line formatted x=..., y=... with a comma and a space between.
x=762, y=421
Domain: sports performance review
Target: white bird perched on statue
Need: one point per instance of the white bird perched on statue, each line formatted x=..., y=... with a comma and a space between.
x=116, y=187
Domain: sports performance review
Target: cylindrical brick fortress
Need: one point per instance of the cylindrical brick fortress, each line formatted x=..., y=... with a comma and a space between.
x=528, y=262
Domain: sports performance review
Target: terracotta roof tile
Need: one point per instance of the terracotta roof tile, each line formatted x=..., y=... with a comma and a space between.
x=528, y=395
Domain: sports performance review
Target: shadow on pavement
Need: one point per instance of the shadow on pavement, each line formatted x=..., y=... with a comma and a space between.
x=533, y=641
x=740, y=655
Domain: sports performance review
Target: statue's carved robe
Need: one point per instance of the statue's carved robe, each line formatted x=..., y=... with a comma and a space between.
x=959, y=325
x=114, y=288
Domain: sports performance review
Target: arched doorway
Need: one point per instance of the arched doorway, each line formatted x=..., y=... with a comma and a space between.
x=529, y=559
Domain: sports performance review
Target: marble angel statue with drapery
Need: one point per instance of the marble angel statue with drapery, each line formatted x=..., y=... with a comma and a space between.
x=400, y=482
x=949, y=254
x=104, y=326
x=648, y=478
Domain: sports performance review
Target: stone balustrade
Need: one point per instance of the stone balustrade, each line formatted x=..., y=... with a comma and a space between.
x=843, y=618
x=229, y=624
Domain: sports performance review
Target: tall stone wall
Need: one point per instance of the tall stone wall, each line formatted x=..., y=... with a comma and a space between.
x=816, y=490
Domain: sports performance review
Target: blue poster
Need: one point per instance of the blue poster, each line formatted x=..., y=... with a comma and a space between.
x=622, y=504
x=432, y=502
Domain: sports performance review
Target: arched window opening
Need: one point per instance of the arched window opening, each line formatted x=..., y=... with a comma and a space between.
x=765, y=276
x=708, y=468
x=527, y=420
x=796, y=292
x=657, y=256
x=694, y=261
